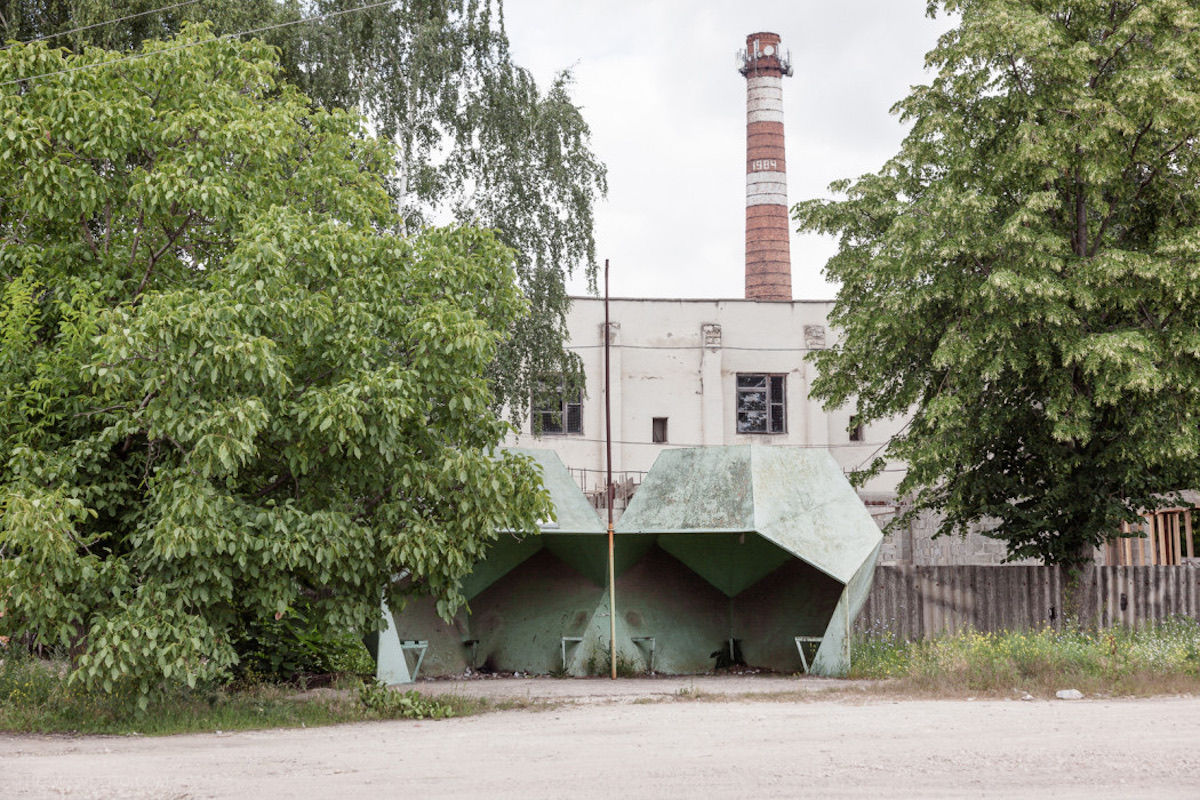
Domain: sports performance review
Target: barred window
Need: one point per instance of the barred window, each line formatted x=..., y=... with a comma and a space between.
x=761, y=404
x=557, y=407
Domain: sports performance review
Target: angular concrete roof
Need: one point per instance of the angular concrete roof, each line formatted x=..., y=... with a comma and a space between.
x=796, y=498
x=573, y=513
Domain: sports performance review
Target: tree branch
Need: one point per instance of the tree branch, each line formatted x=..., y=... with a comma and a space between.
x=87, y=234
x=275, y=484
x=1103, y=65
x=15, y=227
x=374, y=502
x=186, y=455
x=151, y=452
x=137, y=235
x=1185, y=140
x=107, y=225
x=102, y=410
x=155, y=256
x=1137, y=141
x=1081, y=240
x=1017, y=74
x=129, y=439
x=309, y=383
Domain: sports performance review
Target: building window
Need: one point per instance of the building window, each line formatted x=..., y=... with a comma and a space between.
x=659, y=430
x=557, y=408
x=761, y=404
x=856, y=429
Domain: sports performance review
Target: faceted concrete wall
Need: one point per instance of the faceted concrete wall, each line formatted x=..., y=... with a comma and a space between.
x=725, y=551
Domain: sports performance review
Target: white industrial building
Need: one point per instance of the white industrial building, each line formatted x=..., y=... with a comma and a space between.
x=688, y=373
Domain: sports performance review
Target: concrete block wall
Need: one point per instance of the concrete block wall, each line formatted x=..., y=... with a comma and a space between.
x=915, y=544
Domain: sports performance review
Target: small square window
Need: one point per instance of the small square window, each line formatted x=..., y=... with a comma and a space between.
x=856, y=429
x=761, y=403
x=659, y=431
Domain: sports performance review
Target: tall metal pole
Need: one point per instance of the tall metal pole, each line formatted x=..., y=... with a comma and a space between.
x=612, y=580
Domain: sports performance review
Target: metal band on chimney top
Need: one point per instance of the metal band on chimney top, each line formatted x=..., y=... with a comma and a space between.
x=768, y=253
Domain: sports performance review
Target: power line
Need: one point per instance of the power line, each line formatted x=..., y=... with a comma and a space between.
x=642, y=471
x=665, y=445
x=102, y=24
x=223, y=37
x=907, y=424
x=697, y=347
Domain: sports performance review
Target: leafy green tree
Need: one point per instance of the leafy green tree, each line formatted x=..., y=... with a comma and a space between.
x=226, y=388
x=476, y=141
x=1021, y=279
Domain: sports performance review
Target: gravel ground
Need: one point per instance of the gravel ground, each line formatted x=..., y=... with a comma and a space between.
x=670, y=737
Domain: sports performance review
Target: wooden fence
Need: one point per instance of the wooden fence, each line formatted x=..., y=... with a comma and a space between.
x=1163, y=537
x=920, y=602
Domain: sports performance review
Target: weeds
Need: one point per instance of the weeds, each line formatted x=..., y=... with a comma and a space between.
x=1162, y=658
x=600, y=664
x=292, y=647
x=36, y=696
x=390, y=704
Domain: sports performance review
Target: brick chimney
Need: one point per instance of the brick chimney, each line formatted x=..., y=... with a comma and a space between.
x=768, y=231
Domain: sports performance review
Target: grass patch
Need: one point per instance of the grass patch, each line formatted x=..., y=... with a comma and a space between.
x=464, y=706
x=36, y=697
x=1160, y=659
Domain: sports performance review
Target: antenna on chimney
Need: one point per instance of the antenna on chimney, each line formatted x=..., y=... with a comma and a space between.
x=768, y=232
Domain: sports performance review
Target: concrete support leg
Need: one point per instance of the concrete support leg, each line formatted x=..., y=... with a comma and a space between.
x=391, y=667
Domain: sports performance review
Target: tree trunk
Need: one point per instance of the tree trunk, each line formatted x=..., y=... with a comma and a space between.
x=1079, y=575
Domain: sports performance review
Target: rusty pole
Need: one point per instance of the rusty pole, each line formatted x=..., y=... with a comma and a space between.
x=612, y=580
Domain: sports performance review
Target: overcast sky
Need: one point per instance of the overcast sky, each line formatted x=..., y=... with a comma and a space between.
x=659, y=86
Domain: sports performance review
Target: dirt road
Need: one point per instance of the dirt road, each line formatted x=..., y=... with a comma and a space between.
x=657, y=739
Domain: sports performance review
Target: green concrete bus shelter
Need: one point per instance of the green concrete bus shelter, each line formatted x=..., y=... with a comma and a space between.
x=742, y=554
x=778, y=533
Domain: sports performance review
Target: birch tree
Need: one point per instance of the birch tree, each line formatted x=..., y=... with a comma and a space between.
x=477, y=141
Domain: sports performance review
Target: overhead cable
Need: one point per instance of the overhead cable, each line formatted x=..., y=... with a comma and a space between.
x=102, y=24
x=251, y=32
x=697, y=347
x=569, y=437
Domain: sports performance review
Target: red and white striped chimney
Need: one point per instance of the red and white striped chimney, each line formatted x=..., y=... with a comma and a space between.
x=768, y=254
